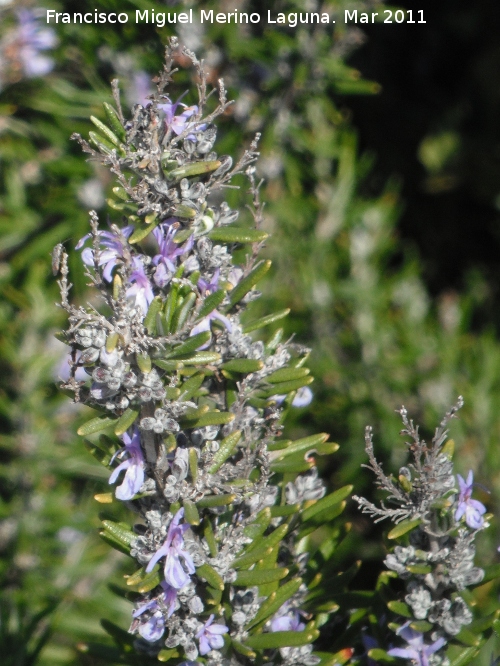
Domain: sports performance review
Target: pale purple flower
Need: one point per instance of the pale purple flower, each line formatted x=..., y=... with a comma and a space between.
x=111, y=250
x=178, y=562
x=165, y=260
x=179, y=123
x=133, y=466
x=210, y=287
x=139, y=88
x=62, y=370
x=140, y=288
x=210, y=636
x=206, y=289
x=23, y=44
x=417, y=649
x=153, y=628
x=169, y=597
x=472, y=509
x=287, y=619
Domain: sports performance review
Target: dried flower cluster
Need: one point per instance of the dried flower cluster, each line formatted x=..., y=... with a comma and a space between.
x=439, y=524
x=197, y=403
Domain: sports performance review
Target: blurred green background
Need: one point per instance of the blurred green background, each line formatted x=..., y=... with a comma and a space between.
x=381, y=155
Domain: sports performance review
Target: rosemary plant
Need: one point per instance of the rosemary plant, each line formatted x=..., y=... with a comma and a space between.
x=191, y=405
x=436, y=525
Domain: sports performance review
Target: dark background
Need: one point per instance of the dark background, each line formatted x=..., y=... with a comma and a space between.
x=440, y=77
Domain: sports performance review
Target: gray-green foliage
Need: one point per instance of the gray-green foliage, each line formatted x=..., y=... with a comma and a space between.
x=232, y=511
x=378, y=338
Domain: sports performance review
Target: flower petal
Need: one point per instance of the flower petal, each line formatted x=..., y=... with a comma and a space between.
x=134, y=478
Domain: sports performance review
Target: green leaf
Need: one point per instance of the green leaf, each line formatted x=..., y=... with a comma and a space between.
x=200, y=358
x=210, y=418
x=213, y=597
x=211, y=303
x=95, y=425
x=243, y=649
x=244, y=365
x=101, y=143
x=400, y=608
x=125, y=421
x=285, y=387
x=120, y=533
x=464, y=657
x=114, y=542
x=143, y=582
x=326, y=502
x=286, y=375
x=260, y=524
x=180, y=237
x=448, y=449
x=280, y=445
x=193, y=464
x=193, y=169
x=272, y=344
x=186, y=212
x=260, y=576
x=283, y=511
x=304, y=444
x=421, y=626
x=170, y=306
x=182, y=311
x=121, y=206
x=483, y=623
x=215, y=500
x=166, y=655
x=468, y=638
x=191, y=514
x=150, y=318
x=168, y=366
x=194, y=413
x=114, y=121
x=275, y=601
x=144, y=362
x=291, y=466
x=190, y=345
x=403, y=528
x=377, y=654
x=190, y=386
x=232, y=234
x=141, y=232
x=209, y=537
x=112, y=341
x=247, y=283
x=281, y=639
x=108, y=133
x=260, y=549
x=226, y=449
x=209, y=574
x=265, y=321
